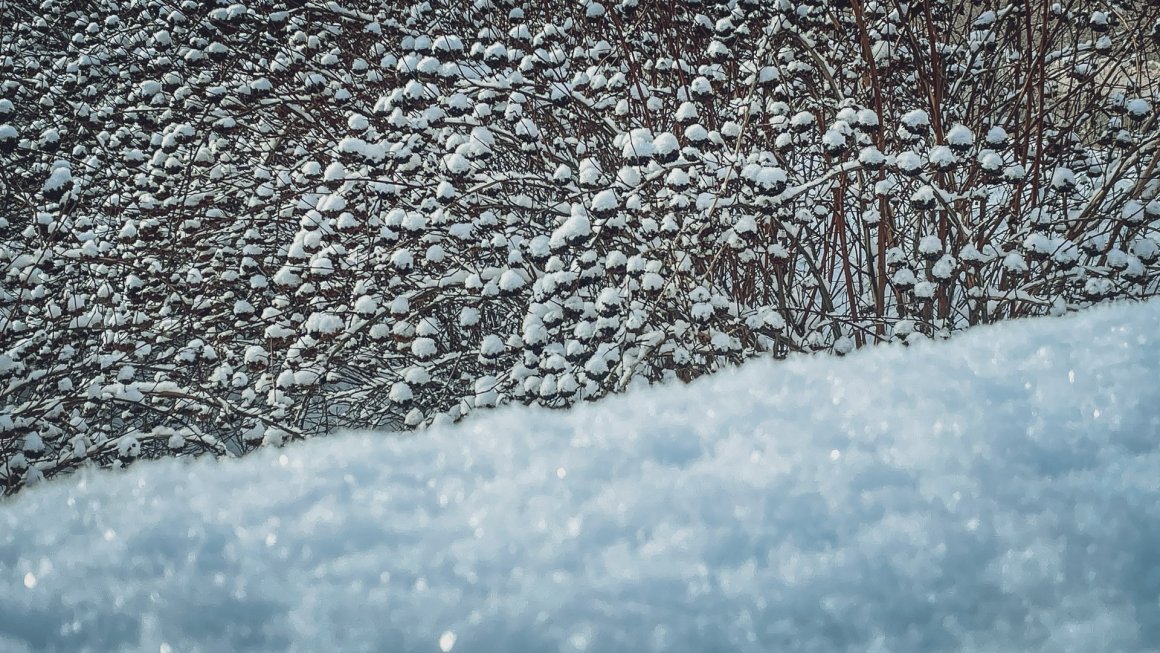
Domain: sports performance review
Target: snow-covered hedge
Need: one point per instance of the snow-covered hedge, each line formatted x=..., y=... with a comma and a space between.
x=228, y=224
x=995, y=493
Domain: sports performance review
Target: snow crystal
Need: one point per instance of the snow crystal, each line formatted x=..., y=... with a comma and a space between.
x=997, y=492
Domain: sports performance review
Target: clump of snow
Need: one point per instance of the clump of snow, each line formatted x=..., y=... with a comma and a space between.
x=942, y=157
x=871, y=156
x=960, y=136
x=997, y=492
x=833, y=139
x=930, y=244
x=909, y=162
x=574, y=230
x=802, y=121
x=990, y=160
x=916, y=120
x=769, y=179
x=457, y=164
x=638, y=145
x=60, y=177
x=665, y=145
x=604, y=201
x=867, y=118
x=904, y=277
x=511, y=281
x=424, y=348
x=1138, y=108
x=324, y=323
x=997, y=136
x=1062, y=178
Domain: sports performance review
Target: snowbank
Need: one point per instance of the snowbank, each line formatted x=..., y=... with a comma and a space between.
x=997, y=493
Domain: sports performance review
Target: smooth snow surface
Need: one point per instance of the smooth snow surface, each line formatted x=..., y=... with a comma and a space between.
x=1000, y=492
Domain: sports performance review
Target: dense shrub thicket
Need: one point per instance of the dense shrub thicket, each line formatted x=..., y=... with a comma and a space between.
x=229, y=225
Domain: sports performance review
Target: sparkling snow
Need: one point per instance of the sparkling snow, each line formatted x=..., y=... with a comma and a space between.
x=1000, y=492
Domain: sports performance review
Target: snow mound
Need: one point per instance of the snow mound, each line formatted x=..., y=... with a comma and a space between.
x=1000, y=492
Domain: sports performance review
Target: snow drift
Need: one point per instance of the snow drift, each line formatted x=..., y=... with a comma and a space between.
x=998, y=492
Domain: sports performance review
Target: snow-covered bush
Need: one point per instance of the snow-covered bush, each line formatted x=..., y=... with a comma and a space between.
x=234, y=224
